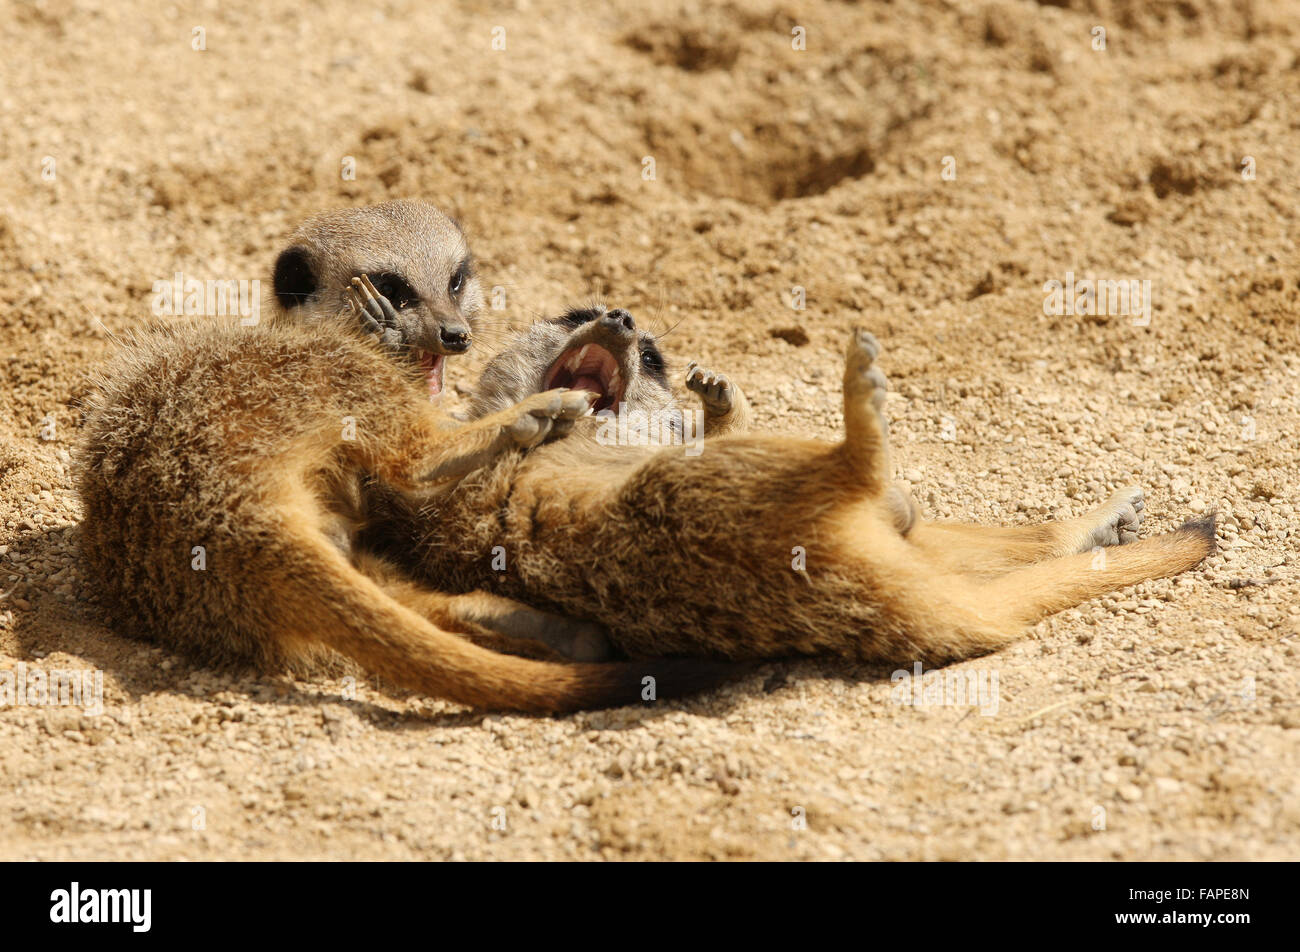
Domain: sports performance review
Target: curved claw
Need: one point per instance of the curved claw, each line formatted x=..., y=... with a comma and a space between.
x=549, y=414
x=714, y=388
x=376, y=313
x=387, y=314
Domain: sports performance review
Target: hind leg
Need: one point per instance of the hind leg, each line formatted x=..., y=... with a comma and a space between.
x=492, y=621
x=935, y=615
x=902, y=508
x=1034, y=591
x=570, y=638
x=994, y=549
x=866, y=434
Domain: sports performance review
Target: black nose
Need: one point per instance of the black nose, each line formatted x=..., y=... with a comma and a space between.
x=619, y=320
x=454, y=340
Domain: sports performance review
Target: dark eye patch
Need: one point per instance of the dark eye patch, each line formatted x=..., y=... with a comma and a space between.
x=459, y=277
x=394, y=287
x=579, y=316
x=652, y=361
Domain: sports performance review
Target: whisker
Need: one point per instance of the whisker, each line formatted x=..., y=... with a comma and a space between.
x=659, y=337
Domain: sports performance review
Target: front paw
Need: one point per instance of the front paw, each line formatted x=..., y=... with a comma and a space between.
x=376, y=313
x=714, y=389
x=548, y=414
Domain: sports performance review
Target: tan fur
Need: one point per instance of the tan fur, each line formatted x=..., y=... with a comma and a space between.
x=222, y=472
x=412, y=240
x=259, y=449
x=700, y=555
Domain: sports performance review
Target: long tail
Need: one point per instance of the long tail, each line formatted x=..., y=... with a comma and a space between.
x=329, y=602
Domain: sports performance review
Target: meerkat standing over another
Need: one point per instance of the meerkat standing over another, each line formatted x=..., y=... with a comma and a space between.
x=223, y=468
x=409, y=263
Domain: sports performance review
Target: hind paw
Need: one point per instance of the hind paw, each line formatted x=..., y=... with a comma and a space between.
x=862, y=379
x=1119, y=517
x=866, y=435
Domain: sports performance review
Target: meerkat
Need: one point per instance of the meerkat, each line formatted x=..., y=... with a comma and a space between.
x=763, y=546
x=404, y=266
x=592, y=349
x=223, y=471
x=604, y=352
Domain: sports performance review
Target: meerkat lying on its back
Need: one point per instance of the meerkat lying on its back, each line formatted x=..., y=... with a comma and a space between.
x=602, y=351
x=763, y=547
x=588, y=349
x=223, y=472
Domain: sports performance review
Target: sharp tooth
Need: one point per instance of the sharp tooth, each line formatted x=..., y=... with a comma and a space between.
x=614, y=377
x=582, y=353
x=574, y=363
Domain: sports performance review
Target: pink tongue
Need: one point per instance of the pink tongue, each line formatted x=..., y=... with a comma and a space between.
x=587, y=383
x=432, y=367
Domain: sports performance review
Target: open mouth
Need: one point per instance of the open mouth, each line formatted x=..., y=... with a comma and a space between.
x=589, y=367
x=431, y=365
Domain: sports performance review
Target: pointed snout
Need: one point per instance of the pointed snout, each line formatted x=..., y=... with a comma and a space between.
x=454, y=338
x=618, y=322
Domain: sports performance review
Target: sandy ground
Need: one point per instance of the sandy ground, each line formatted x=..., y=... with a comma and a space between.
x=1161, y=723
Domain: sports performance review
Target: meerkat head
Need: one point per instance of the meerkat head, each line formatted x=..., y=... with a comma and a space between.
x=586, y=349
x=414, y=255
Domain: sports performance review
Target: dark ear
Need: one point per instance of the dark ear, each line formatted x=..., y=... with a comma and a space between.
x=294, y=279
